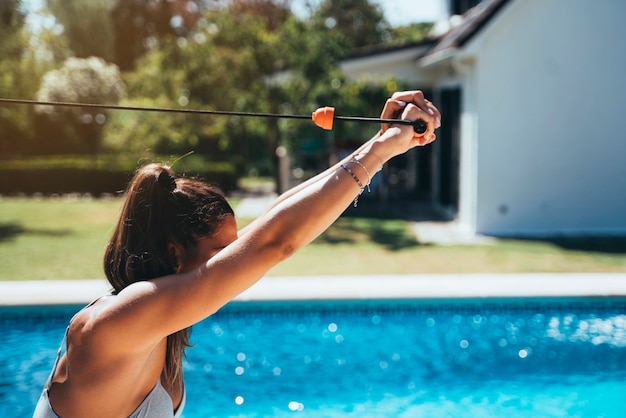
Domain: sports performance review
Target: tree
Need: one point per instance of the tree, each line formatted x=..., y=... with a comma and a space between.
x=274, y=12
x=223, y=63
x=11, y=22
x=87, y=26
x=415, y=32
x=141, y=25
x=16, y=77
x=82, y=80
x=357, y=22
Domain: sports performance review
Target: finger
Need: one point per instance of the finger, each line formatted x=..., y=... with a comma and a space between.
x=393, y=108
x=420, y=101
x=408, y=96
x=423, y=140
x=417, y=97
x=430, y=138
x=414, y=112
x=432, y=110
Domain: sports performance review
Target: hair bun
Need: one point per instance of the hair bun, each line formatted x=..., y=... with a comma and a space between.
x=166, y=181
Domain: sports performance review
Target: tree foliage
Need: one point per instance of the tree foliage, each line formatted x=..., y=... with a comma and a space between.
x=17, y=73
x=223, y=64
x=141, y=25
x=239, y=55
x=412, y=33
x=11, y=23
x=82, y=80
x=86, y=26
x=355, y=23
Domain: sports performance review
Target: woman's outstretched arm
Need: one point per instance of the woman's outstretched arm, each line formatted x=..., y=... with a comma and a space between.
x=298, y=217
x=392, y=107
x=304, y=213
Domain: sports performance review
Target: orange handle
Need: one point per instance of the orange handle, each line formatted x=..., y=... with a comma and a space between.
x=324, y=117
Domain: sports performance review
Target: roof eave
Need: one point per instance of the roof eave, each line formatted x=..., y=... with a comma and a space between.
x=436, y=59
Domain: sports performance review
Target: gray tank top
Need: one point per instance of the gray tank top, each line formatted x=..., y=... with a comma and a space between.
x=157, y=404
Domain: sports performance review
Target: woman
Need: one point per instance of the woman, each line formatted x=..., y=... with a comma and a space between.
x=176, y=257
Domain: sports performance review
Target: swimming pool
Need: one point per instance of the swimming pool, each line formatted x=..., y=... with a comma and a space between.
x=539, y=357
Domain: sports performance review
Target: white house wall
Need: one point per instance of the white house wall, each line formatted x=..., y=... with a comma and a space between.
x=550, y=97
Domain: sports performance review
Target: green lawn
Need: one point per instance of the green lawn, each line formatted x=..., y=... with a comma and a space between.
x=65, y=239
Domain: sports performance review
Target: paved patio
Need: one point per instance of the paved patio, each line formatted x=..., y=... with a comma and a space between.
x=423, y=286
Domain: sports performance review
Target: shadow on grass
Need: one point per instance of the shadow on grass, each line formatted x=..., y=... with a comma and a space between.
x=10, y=231
x=390, y=234
x=592, y=244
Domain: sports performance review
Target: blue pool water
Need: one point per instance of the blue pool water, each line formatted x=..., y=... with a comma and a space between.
x=515, y=358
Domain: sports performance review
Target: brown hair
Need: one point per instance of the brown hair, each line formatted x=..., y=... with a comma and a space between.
x=160, y=209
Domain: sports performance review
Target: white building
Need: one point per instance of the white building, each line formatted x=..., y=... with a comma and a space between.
x=533, y=96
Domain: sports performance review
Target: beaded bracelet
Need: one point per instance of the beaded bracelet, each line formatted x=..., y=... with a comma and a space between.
x=356, y=199
x=369, y=178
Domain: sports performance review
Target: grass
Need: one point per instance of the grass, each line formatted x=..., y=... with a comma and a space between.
x=54, y=238
x=64, y=238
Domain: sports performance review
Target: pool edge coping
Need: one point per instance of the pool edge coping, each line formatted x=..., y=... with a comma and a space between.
x=419, y=286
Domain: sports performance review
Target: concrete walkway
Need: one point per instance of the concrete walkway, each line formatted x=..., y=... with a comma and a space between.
x=447, y=233
x=424, y=286
x=252, y=207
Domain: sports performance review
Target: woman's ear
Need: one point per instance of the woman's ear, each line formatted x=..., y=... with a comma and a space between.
x=175, y=255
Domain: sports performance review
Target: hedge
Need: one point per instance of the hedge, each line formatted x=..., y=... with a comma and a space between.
x=24, y=177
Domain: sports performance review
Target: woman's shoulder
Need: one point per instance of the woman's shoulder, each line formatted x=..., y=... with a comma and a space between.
x=84, y=323
x=120, y=324
x=89, y=329
x=96, y=339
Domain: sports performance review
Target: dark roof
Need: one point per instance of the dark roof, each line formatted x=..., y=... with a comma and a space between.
x=473, y=21
x=370, y=50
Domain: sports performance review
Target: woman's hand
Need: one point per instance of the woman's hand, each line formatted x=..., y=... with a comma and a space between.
x=411, y=105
